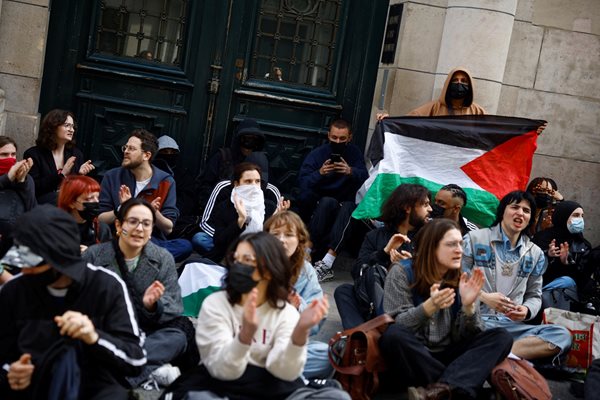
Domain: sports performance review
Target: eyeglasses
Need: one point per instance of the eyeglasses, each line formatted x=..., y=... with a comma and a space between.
x=125, y=148
x=69, y=125
x=135, y=222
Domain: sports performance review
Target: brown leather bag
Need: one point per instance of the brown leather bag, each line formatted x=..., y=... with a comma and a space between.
x=517, y=379
x=354, y=354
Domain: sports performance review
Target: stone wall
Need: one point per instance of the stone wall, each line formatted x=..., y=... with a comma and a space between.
x=530, y=58
x=23, y=31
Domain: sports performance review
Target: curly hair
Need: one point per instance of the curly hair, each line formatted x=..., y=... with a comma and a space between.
x=407, y=195
x=292, y=221
x=50, y=123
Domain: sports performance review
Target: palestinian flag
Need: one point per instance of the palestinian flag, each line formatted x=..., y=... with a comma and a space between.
x=197, y=281
x=487, y=155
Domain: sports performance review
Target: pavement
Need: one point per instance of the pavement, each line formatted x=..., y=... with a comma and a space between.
x=560, y=388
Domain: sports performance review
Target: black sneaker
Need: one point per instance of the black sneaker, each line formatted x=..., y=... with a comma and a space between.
x=323, y=383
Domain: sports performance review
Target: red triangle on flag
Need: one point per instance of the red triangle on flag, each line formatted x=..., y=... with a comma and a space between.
x=506, y=167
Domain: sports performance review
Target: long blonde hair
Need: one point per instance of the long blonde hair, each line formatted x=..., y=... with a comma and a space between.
x=293, y=222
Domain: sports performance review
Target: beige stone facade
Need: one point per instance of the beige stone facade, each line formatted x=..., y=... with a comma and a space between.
x=530, y=58
x=23, y=31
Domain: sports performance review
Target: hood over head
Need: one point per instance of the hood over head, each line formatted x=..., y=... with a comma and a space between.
x=444, y=96
x=562, y=212
x=52, y=234
x=247, y=127
x=167, y=142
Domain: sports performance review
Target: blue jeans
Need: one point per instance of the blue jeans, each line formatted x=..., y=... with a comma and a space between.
x=202, y=242
x=554, y=334
x=180, y=249
x=562, y=282
x=317, y=361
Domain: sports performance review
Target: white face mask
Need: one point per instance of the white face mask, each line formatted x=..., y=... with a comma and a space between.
x=253, y=199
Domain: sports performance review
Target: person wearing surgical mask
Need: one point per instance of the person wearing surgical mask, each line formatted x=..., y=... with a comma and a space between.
x=79, y=195
x=565, y=247
x=251, y=340
x=244, y=212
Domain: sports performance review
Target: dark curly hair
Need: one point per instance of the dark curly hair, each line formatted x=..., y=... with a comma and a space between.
x=51, y=121
x=407, y=195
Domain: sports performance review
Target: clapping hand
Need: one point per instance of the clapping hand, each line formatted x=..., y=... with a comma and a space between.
x=152, y=294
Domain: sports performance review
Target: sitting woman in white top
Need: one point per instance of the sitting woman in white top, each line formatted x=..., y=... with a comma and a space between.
x=252, y=342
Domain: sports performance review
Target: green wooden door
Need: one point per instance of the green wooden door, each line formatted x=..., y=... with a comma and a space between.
x=194, y=69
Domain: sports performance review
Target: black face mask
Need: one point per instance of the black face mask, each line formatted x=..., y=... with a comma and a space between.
x=458, y=90
x=170, y=159
x=437, y=211
x=240, y=278
x=90, y=211
x=542, y=200
x=44, y=279
x=250, y=142
x=338, y=148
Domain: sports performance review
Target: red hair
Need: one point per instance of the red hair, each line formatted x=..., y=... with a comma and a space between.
x=74, y=186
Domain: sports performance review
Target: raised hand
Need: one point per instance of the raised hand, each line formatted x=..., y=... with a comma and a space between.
x=396, y=241
x=553, y=249
x=311, y=316
x=240, y=208
x=282, y=205
x=20, y=373
x=564, y=253
x=68, y=166
x=77, y=326
x=86, y=167
x=470, y=286
x=152, y=294
x=441, y=298
x=156, y=204
x=124, y=193
x=249, y=318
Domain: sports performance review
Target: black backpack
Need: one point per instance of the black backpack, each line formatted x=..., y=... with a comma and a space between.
x=11, y=207
x=368, y=290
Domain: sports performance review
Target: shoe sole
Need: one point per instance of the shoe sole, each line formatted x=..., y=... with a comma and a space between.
x=327, y=279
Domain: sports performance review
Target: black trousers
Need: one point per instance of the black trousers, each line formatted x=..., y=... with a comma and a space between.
x=328, y=224
x=592, y=381
x=347, y=305
x=464, y=366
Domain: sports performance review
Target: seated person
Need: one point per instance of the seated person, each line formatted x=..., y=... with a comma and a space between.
x=55, y=155
x=448, y=203
x=328, y=180
x=406, y=210
x=546, y=194
x=79, y=196
x=246, y=146
x=439, y=345
x=17, y=190
x=288, y=227
x=137, y=177
x=62, y=314
x=151, y=278
x=203, y=241
x=245, y=211
x=251, y=340
x=513, y=267
x=566, y=249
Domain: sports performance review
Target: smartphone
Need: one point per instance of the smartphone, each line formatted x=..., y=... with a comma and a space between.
x=335, y=157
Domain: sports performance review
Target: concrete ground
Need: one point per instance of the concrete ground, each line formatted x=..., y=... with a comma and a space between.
x=559, y=389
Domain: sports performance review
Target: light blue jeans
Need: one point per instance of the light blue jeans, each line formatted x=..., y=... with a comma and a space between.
x=554, y=334
x=202, y=242
x=317, y=361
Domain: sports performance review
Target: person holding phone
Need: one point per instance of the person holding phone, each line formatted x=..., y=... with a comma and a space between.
x=328, y=180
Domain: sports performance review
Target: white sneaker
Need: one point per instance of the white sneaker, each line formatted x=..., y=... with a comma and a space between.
x=166, y=374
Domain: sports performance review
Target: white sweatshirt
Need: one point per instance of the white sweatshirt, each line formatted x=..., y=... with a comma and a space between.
x=225, y=357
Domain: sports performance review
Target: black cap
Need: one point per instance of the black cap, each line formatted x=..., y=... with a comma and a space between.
x=52, y=234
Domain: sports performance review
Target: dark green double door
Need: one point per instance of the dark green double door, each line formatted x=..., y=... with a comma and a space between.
x=193, y=69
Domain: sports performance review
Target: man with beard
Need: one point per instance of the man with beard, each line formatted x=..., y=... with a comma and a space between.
x=513, y=267
x=403, y=213
x=328, y=179
x=68, y=329
x=137, y=177
x=448, y=203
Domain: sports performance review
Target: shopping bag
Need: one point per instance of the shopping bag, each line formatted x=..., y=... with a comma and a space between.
x=586, y=339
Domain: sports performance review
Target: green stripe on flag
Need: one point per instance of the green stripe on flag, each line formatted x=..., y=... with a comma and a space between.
x=480, y=209
x=193, y=301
